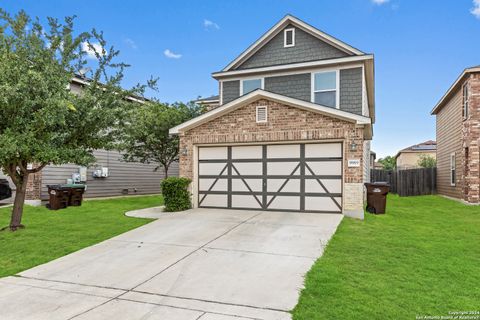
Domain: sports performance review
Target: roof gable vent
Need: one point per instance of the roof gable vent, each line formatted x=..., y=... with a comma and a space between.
x=262, y=114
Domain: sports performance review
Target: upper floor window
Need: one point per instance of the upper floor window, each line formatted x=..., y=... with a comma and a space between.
x=325, y=88
x=465, y=101
x=250, y=85
x=289, y=37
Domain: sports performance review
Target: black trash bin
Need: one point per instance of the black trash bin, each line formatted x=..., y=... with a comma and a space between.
x=58, y=197
x=5, y=190
x=377, y=196
x=76, y=194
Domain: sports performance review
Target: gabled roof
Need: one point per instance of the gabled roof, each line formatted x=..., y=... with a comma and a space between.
x=446, y=97
x=289, y=19
x=427, y=146
x=259, y=94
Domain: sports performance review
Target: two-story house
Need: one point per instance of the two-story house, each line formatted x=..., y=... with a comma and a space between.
x=292, y=130
x=458, y=137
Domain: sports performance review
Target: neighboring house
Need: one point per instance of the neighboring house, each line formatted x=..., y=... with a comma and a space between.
x=458, y=136
x=408, y=158
x=210, y=103
x=378, y=165
x=293, y=129
x=124, y=178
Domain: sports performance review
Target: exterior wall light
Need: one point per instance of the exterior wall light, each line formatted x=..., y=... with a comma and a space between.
x=184, y=151
x=353, y=146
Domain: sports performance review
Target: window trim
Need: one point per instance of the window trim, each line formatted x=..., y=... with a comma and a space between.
x=337, y=84
x=453, y=169
x=262, y=83
x=465, y=101
x=266, y=114
x=285, y=45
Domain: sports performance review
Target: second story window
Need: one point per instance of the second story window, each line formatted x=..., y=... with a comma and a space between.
x=250, y=85
x=465, y=101
x=325, y=88
x=289, y=37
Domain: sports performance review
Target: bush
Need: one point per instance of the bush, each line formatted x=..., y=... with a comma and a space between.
x=175, y=194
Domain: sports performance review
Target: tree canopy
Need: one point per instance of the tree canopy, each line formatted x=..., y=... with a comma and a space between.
x=146, y=135
x=389, y=162
x=41, y=121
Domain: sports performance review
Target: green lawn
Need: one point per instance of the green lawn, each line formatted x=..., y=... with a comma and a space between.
x=51, y=234
x=421, y=258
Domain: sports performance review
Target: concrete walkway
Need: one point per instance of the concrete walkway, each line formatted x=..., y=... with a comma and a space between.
x=200, y=264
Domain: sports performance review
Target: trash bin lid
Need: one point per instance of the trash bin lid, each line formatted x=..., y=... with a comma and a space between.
x=73, y=185
x=380, y=183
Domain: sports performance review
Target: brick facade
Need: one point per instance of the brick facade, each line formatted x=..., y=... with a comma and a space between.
x=34, y=186
x=285, y=124
x=471, y=136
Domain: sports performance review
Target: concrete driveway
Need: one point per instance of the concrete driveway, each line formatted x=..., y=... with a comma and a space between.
x=201, y=264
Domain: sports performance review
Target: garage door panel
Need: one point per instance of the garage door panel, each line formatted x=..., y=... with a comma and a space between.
x=214, y=200
x=247, y=152
x=247, y=168
x=322, y=204
x=283, y=151
x=241, y=185
x=213, y=184
x=210, y=168
x=274, y=185
x=322, y=168
x=323, y=150
x=332, y=185
x=283, y=168
x=284, y=203
x=245, y=201
x=212, y=153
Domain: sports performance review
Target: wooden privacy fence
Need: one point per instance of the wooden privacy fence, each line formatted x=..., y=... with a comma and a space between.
x=411, y=182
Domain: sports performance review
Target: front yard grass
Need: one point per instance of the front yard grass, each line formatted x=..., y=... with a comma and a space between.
x=51, y=234
x=421, y=258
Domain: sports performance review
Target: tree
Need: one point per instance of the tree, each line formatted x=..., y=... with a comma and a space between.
x=389, y=162
x=41, y=121
x=146, y=137
x=427, y=161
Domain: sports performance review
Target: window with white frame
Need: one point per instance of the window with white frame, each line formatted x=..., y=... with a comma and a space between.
x=465, y=101
x=251, y=84
x=452, y=169
x=289, y=37
x=325, y=88
x=261, y=113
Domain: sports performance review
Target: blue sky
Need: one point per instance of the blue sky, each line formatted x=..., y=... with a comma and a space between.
x=420, y=47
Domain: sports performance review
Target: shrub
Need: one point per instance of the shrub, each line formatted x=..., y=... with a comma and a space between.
x=175, y=194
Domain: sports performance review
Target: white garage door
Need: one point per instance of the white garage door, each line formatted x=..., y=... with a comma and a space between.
x=287, y=177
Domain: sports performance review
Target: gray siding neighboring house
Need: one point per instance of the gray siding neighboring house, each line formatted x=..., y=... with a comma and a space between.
x=124, y=177
x=307, y=48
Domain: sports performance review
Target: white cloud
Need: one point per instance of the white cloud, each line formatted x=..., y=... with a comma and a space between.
x=380, y=2
x=91, y=51
x=169, y=54
x=131, y=43
x=208, y=24
x=476, y=9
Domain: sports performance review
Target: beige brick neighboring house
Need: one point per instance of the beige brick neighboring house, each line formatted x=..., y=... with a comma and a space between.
x=292, y=130
x=458, y=133
x=408, y=158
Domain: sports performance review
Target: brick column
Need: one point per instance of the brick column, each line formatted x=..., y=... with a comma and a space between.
x=34, y=189
x=471, y=138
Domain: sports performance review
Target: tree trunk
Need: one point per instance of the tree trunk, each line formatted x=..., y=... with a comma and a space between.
x=165, y=170
x=17, y=212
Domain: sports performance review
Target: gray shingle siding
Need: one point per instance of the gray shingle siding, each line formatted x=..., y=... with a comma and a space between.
x=351, y=90
x=231, y=90
x=307, y=48
x=295, y=86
